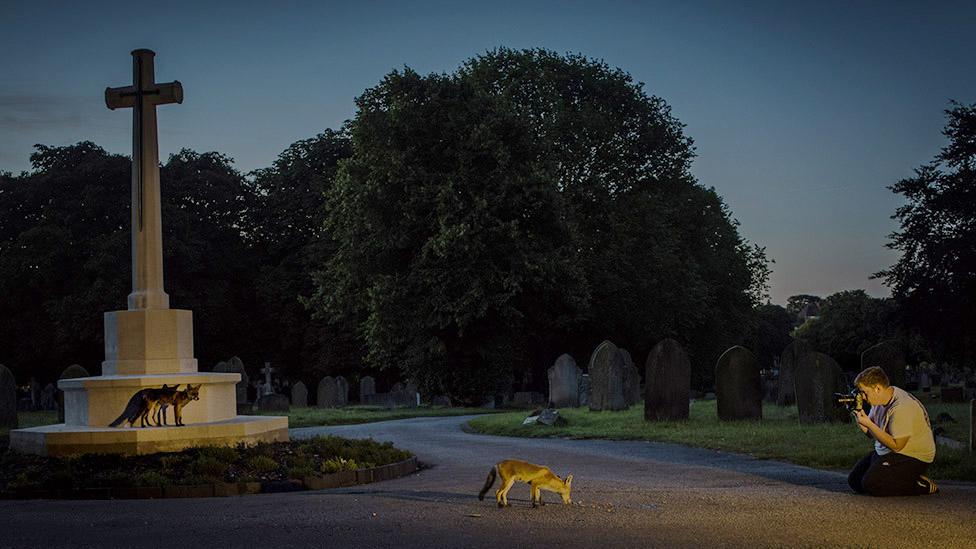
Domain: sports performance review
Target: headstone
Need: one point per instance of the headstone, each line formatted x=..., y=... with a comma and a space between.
x=606, y=378
x=391, y=400
x=667, y=382
x=343, y=390
x=738, y=387
x=236, y=366
x=816, y=379
x=787, y=365
x=49, y=397
x=272, y=403
x=584, y=389
x=328, y=393
x=35, y=394
x=890, y=357
x=632, y=391
x=564, y=383
x=71, y=372
x=441, y=400
x=8, y=398
x=299, y=395
x=397, y=388
x=367, y=386
x=924, y=382
x=268, y=387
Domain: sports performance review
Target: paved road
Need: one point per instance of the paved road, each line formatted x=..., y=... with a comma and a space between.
x=627, y=494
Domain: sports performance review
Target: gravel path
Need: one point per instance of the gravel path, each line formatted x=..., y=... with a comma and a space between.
x=626, y=494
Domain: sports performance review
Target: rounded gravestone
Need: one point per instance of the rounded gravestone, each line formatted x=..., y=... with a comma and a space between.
x=8, y=398
x=632, y=392
x=738, y=386
x=816, y=379
x=787, y=365
x=367, y=386
x=236, y=366
x=564, y=383
x=584, y=389
x=343, y=390
x=890, y=357
x=272, y=403
x=667, y=382
x=328, y=393
x=606, y=378
x=299, y=395
x=71, y=372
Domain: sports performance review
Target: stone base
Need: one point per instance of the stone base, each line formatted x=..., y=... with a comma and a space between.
x=148, y=341
x=66, y=440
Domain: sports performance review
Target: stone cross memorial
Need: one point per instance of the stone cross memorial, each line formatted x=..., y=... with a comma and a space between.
x=149, y=344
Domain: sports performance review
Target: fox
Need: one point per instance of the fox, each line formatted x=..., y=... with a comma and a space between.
x=177, y=399
x=538, y=476
x=141, y=405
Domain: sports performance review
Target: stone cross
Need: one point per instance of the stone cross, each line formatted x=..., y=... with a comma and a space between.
x=147, y=245
x=267, y=371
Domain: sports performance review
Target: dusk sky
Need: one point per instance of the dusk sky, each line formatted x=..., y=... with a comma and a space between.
x=802, y=114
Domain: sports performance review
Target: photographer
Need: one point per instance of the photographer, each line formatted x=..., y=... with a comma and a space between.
x=903, y=442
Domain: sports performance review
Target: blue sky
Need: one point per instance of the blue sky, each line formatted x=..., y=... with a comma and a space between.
x=802, y=113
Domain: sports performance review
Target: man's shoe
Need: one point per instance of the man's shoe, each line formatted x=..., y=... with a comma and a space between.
x=933, y=487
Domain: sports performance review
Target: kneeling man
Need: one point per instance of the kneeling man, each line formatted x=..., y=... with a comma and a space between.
x=903, y=442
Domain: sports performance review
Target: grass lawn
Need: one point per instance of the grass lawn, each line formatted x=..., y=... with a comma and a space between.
x=311, y=417
x=778, y=436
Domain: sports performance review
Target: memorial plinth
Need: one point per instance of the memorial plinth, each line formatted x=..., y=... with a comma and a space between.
x=149, y=345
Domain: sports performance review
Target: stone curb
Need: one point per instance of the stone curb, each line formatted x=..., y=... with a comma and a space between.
x=224, y=489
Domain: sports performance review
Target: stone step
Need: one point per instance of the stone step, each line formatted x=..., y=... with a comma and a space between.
x=64, y=440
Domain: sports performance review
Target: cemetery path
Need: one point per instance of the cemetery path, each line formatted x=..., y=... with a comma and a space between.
x=627, y=494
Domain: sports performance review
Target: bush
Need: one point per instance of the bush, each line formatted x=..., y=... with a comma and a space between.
x=261, y=464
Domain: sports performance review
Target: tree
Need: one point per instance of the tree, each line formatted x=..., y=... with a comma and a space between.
x=850, y=322
x=770, y=333
x=527, y=205
x=935, y=277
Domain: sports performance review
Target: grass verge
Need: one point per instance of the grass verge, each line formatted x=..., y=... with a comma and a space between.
x=312, y=417
x=778, y=436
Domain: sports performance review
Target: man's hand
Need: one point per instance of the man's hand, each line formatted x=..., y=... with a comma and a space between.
x=863, y=421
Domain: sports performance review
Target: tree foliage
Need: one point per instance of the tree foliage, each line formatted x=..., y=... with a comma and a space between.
x=935, y=277
x=850, y=322
x=526, y=205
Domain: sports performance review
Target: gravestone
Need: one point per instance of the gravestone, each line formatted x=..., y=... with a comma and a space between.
x=328, y=393
x=816, y=379
x=890, y=357
x=272, y=403
x=342, y=386
x=268, y=386
x=367, y=386
x=528, y=399
x=236, y=366
x=397, y=388
x=8, y=398
x=738, y=387
x=667, y=382
x=391, y=400
x=299, y=395
x=564, y=383
x=787, y=365
x=606, y=378
x=441, y=400
x=71, y=372
x=631, y=379
x=35, y=394
x=584, y=389
x=49, y=397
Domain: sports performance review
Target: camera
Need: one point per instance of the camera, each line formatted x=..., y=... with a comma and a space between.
x=853, y=401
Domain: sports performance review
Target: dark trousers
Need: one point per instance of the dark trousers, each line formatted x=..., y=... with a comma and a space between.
x=889, y=475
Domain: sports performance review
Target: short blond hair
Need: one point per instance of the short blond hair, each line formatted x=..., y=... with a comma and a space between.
x=872, y=376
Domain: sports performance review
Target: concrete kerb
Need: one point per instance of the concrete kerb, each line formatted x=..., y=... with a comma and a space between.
x=223, y=489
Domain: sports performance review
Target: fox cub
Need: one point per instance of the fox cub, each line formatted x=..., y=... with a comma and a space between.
x=539, y=477
x=146, y=401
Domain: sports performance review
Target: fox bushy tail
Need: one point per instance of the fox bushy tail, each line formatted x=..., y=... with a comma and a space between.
x=488, y=483
x=131, y=409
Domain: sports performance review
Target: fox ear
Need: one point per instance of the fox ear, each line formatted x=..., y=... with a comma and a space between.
x=569, y=480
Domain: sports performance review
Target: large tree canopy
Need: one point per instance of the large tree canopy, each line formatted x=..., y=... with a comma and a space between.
x=849, y=322
x=935, y=278
x=527, y=205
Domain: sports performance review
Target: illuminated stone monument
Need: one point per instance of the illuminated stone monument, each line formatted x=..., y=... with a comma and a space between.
x=149, y=344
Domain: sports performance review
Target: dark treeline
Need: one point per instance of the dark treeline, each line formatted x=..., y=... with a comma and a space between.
x=463, y=229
